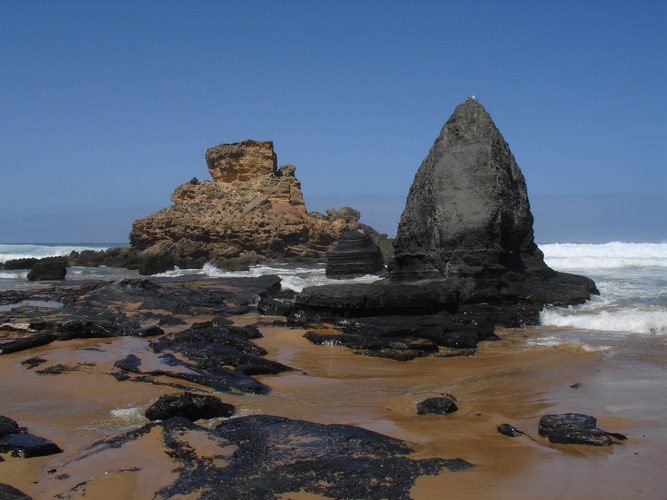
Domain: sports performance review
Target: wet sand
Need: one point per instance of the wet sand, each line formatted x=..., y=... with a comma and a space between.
x=508, y=381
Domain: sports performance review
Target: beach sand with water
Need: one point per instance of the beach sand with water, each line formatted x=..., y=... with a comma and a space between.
x=612, y=350
x=515, y=380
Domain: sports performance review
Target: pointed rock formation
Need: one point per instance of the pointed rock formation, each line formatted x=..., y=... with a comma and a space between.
x=251, y=211
x=464, y=249
x=467, y=212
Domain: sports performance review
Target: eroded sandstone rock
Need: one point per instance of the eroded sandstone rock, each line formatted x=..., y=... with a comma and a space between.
x=251, y=211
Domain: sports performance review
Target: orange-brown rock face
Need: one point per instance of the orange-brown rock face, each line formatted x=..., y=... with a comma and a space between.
x=250, y=211
x=241, y=161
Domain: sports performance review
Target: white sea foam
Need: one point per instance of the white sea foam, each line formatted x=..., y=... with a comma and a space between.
x=293, y=278
x=8, y=275
x=553, y=341
x=643, y=320
x=573, y=256
x=129, y=415
x=25, y=251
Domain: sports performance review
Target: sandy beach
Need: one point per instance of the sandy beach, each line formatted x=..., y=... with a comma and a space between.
x=514, y=381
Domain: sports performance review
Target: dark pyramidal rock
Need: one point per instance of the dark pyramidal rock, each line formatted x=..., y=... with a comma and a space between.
x=467, y=212
x=465, y=244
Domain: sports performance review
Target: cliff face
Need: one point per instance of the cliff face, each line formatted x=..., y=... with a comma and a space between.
x=467, y=212
x=251, y=211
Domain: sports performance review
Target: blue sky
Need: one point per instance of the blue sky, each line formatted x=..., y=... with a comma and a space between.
x=108, y=106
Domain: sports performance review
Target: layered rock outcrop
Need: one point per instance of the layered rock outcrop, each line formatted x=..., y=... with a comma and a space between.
x=354, y=255
x=250, y=211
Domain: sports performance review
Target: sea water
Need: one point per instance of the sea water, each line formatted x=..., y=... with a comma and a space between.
x=631, y=278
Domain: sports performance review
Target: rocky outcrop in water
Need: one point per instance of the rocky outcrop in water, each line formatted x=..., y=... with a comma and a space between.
x=48, y=269
x=250, y=211
x=464, y=247
x=188, y=405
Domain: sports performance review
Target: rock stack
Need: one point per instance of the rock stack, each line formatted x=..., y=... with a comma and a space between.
x=250, y=211
x=467, y=212
x=465, y=243
x=355, y=255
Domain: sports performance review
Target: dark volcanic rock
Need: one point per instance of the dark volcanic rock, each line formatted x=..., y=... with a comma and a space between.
x=48, y=269
x=26, y=263
x=263, y=457
x=354, y=255
x=437, y=406
x=190, y=406
x=467, y=213
x=509, y=430
x=31, y=363
x=575, y=428
x=20, y=344
x=8, y=492
x=209, y=350
x=26, y=445
x=7, y=426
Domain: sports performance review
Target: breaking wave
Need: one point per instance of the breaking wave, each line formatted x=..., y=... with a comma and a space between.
x=651, y=320
x=578, y=256
x=631, y=277
x=25, y=251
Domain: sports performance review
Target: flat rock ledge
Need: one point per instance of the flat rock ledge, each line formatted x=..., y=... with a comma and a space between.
x=406, y=319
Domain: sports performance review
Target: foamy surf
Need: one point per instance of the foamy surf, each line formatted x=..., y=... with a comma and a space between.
x=292, y=278
x=649, y=320
x=578, y=256
x=26, y=250
x=129, y=416
x=632, y=279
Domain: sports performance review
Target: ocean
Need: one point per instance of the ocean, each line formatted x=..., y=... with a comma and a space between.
x=631, y=277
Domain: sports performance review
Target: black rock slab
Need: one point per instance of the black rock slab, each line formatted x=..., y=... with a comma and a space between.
x=188, y=405
x=510, y=430
x=263, y=457
x=208, y=350
x=574, y=428
x=26, y=445
x=28, y=342
x=25, y=263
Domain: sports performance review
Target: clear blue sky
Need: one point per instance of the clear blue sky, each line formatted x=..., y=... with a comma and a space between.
x=107, y=106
